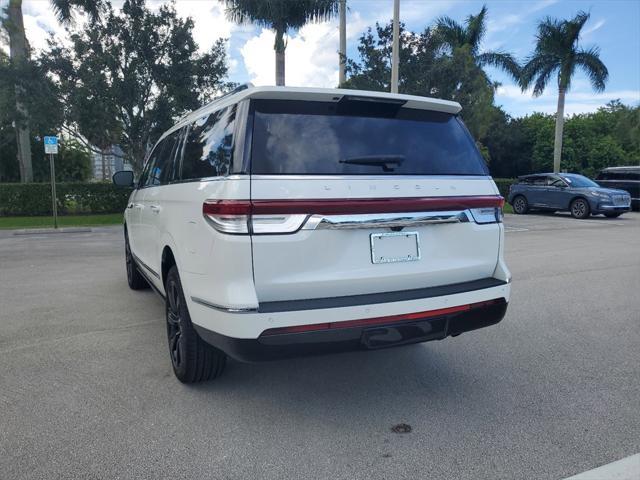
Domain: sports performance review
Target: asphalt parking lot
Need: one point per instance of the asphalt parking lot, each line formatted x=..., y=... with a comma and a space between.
x=86, y=388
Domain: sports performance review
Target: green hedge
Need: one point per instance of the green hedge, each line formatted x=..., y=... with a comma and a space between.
x=31, y=199
x=504, y=184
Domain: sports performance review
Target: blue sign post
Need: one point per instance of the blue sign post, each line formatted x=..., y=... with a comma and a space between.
x=51, y=149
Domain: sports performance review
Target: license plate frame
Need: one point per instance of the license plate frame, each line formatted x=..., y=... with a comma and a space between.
x=381, y=257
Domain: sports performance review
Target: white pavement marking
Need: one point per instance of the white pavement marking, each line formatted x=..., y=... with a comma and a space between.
x=515, y=229
x=625, y=469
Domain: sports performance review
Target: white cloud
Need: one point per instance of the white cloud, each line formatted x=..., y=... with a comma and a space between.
x=588, y=31
x=311, y=57
x=209, y=18
x=511, y=22
x=210, y=22
x=39, y=21
x=578, y=100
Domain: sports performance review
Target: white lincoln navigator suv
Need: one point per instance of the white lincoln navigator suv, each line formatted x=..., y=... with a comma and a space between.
x=285, y=221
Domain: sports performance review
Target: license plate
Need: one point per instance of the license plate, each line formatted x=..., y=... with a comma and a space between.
x=395, y=247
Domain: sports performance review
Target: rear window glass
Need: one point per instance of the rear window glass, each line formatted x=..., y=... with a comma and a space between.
x=321, y=138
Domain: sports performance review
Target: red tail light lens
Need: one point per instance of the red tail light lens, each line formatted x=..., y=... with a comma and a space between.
x=228, y=216
x=389, y=320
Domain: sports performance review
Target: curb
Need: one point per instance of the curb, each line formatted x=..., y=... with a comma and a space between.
x=46, y=231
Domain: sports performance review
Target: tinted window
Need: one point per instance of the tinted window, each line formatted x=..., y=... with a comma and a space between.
x=613, y=175
x=208, y=150
x=556, y=181
x=162, y=168
x=292, y=137
x=148, y=174
x=167, y=167
x=540, y=181
x=579, y=181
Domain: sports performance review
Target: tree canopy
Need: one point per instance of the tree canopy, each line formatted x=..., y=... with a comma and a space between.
x=126, y=79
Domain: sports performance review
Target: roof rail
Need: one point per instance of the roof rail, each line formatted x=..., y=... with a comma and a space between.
x=239, y=88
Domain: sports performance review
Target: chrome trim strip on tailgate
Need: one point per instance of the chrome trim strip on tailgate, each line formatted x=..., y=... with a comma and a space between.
x=389, y=220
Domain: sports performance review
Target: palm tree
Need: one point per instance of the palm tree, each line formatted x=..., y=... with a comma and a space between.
x=557, y=51
x=19, y=52
x=63, y=8
x=280, y=15
x=455, y=36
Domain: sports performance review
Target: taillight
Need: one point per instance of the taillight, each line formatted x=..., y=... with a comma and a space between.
x=228, y=216
x=487, y=215
x=237, y=216
x=263, y=217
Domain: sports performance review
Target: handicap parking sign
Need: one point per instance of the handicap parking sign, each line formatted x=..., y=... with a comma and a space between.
x=51, y=145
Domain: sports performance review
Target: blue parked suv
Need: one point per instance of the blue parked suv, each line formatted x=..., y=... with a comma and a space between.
x=567, y=192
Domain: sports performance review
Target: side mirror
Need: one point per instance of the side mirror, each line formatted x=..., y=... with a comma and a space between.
x=123, y=178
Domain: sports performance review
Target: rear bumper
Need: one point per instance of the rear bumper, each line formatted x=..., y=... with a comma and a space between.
x=271, y=346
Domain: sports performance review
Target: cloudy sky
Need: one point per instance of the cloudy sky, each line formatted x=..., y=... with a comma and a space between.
x=312, y=60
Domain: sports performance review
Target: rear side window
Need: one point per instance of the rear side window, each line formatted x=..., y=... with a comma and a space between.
x=539, y=181
x=318, y=138
x=169, y=161
x=148, y=176
x=208, y=149
x=162, y=167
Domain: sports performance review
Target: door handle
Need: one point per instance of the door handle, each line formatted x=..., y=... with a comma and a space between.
x=154, y=208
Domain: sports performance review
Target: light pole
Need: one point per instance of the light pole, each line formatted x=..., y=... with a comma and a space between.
x=395, y=53
x=343, y=42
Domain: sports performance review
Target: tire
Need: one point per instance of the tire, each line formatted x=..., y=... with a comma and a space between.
x=580, y=209
x=612, y=214
x=193, y=360
x=520, y=205
x=134, y=278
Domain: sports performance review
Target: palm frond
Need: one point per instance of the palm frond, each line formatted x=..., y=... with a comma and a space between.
x=450, y=32
x=502, y=60
x=64, y=8
x=589, y=61
x=476, y=28
x=534, y=68
x=283, y=13
x=542, y=80
x=574, y=26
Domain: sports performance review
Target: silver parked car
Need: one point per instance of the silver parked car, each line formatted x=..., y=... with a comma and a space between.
x=567, y=192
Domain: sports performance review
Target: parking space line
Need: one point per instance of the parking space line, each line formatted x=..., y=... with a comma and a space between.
x=625, y=469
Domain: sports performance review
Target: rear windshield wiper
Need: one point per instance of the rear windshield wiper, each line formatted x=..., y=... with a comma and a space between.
x=387, y=162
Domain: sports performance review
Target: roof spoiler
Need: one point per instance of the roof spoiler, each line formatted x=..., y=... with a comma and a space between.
x=239, y=88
